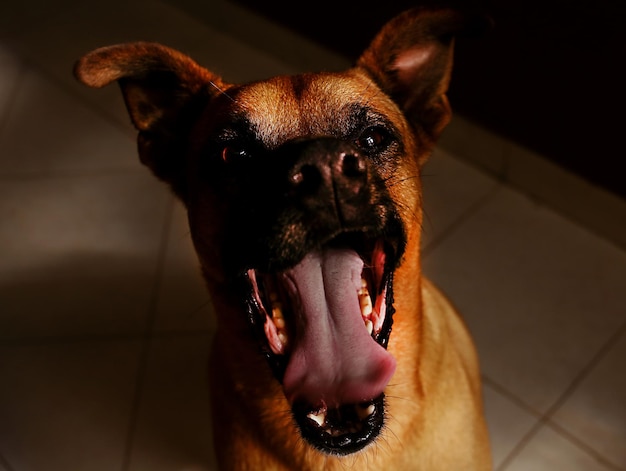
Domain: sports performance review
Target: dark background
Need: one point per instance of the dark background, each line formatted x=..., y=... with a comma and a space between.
x=550, y=75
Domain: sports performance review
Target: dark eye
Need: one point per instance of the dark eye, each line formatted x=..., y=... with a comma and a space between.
x=232, y=153
x=374, y=138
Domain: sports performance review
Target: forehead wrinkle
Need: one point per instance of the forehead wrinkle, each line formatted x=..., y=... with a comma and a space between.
x=287, y=107
x=272, y=109
x=330, y=100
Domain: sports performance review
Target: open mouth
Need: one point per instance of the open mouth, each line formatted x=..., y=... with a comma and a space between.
x=324, y=325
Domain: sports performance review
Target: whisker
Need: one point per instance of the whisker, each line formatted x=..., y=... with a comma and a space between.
x=389, y=434
x=401, y=180
x=223, y=92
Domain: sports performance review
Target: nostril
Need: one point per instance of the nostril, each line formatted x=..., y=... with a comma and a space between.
x=306, y=179
x=352, y=165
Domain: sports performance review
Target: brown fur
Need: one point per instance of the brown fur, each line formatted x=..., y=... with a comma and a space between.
x=433, y=402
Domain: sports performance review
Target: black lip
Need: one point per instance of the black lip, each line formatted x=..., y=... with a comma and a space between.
x=344, y=433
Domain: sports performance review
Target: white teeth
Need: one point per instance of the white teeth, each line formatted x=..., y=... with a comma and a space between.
x=365, y=412
x=363, y=286
x=279, y=321
x=319, y=419
x=365, y=302
x=366, y=305
x=277, y=315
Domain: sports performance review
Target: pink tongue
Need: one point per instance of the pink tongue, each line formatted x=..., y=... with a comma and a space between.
x=333, y=359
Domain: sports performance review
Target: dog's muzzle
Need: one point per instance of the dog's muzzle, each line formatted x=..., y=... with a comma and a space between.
x=329, y=179
x=318, y=287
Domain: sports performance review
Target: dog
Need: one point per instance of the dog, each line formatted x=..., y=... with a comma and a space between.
x=303, y=195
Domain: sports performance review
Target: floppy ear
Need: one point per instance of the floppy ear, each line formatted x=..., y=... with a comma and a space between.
x=164, y=90
x=411, y=60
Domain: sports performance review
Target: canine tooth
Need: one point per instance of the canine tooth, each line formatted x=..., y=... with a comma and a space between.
x=366, y=305
x=369, y=325
x=283, y=338
x=363, y=289
x=319, y=419
x=277, y=315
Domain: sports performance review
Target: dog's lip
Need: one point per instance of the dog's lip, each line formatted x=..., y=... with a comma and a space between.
x=342, y=430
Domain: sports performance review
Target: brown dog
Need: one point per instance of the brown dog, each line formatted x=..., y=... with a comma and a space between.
x=303, y=195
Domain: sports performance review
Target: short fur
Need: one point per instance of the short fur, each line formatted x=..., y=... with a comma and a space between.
x=322, y=164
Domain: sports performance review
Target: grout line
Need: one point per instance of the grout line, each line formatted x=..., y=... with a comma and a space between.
x=452, y=228
x=520, y=445
x=147, y=338
x=587, y=369
x=31, y=24
x=30, y=62
x=8, y=109
x=28, y=176
x=4, y=463
x=100, y=338
x=511, y=397
x=546, y=418
x=505, y=167
x=582, y=445
x=526, y=408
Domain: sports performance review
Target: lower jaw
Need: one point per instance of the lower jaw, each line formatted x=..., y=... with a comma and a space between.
x=347, y=429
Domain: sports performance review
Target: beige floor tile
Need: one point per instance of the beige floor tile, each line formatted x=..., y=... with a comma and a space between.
x=267, y=37
x=540, y=294
x=451, y=188
x=47, y=131
x=569, y=194
x=55, y=46
x=95, y=24
x=66, y=407
x=173, y=429
x=507, y=422
x=183, y=302
x=476, y=144
x=79, y=255
x=12, y=70
x=80, y=250
x=235, y=61
x=549, y=451
x=596, y=411
x=15, y=17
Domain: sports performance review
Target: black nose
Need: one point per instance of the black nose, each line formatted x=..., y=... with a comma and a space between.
x=328, y=174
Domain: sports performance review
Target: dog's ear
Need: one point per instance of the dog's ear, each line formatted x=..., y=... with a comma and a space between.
x=164, y=91
x=411, y=60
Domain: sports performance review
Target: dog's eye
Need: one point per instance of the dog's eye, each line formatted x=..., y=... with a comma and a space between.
x=233, y=153
x=373, y=138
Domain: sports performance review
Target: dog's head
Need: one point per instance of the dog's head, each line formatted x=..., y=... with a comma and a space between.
x=303, y=194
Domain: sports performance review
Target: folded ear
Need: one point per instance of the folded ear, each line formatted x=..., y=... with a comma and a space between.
x=164, y=90
x=411, y=60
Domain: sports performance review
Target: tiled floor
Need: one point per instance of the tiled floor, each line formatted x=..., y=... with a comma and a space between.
x=105, y=325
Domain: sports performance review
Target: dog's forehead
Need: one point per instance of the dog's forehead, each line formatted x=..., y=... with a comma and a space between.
x=286, y=107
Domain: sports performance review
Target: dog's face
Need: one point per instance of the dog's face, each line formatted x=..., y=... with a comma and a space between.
x=294, y=163
x=302, y=194
x=306, y=172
